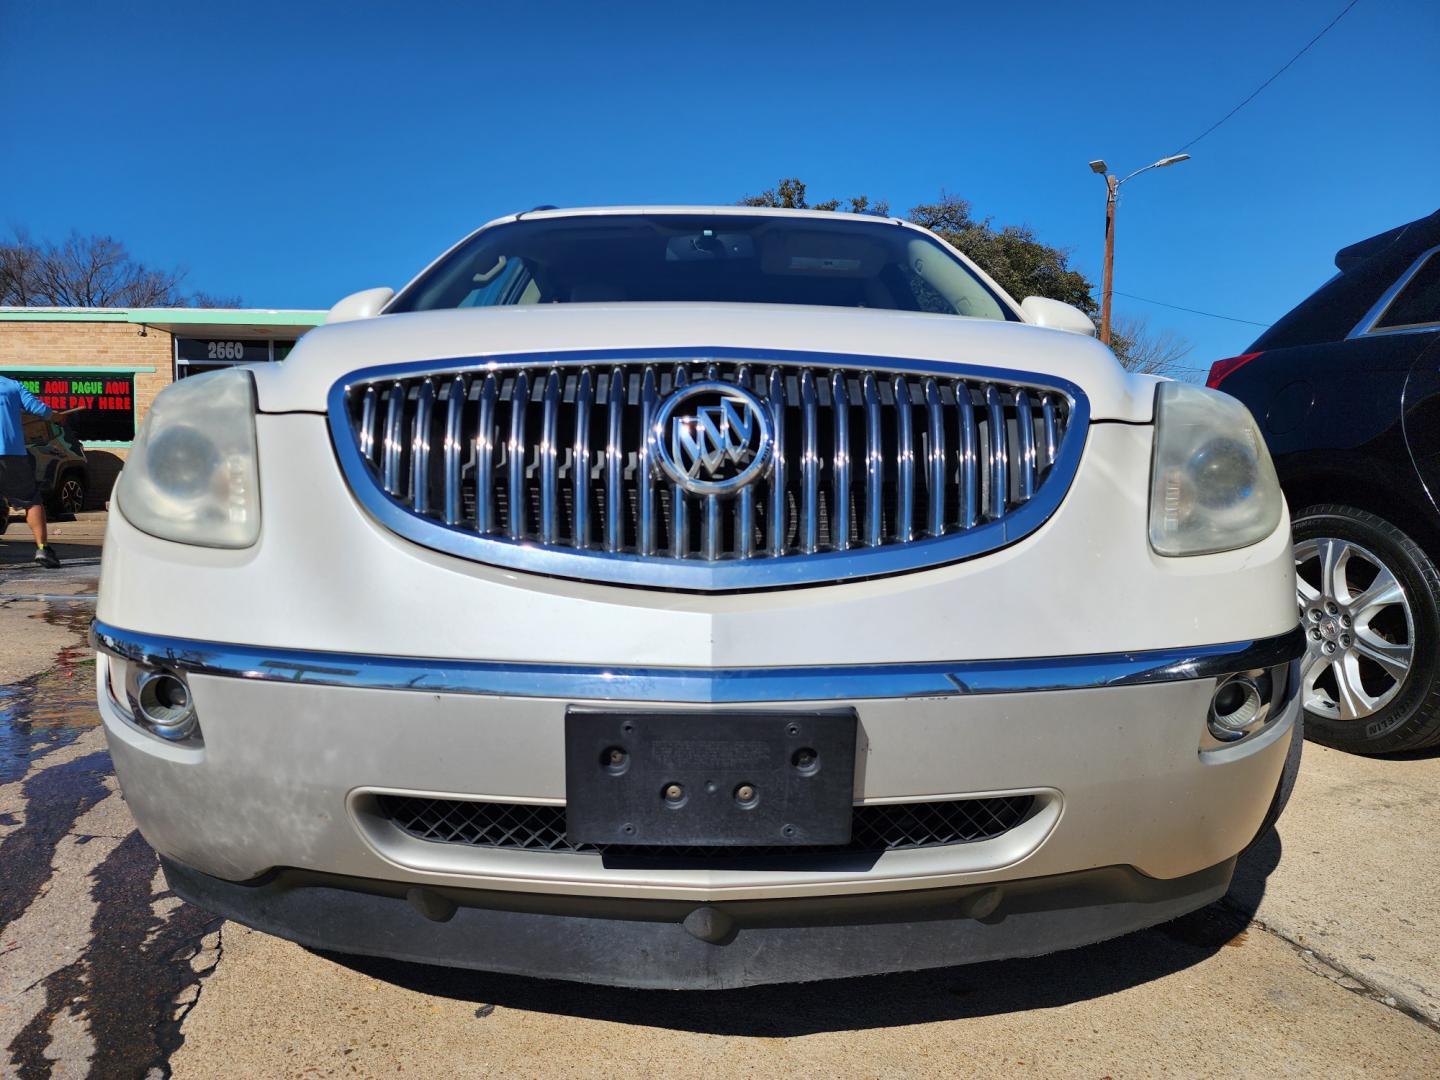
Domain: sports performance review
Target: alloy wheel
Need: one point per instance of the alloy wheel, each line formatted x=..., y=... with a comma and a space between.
x=1359, y=627
x=71, y=496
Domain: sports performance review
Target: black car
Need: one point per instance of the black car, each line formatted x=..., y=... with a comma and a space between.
x=1346, y=388
x=60, y=468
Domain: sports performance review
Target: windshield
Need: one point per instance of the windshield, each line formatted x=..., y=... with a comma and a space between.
x=730, y=258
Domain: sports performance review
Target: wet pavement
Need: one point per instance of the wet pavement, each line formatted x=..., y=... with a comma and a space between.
x=98, y=963
x=52, y=708
x=1306, y=968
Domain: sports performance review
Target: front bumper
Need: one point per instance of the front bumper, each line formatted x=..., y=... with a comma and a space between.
x=659, y=944
x=1135, y=819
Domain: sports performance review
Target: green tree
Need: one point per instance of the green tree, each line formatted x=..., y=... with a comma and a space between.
x=1019, y=262
x=789, y=194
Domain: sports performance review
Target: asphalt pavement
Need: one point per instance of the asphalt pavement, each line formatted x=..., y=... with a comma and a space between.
x=1323, y=959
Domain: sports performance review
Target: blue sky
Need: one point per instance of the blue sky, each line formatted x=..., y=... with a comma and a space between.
x=291, y=153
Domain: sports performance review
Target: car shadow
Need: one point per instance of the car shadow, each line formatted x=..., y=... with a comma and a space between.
x=876, y=1001
x=1427, y=754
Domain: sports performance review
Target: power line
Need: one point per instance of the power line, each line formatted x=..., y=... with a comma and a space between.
x=1267, y=82
x=1193, y=311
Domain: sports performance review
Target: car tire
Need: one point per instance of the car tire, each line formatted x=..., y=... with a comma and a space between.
x=69, y=497
x=1353, y=702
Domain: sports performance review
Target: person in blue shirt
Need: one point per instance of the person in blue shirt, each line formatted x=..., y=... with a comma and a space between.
x=17, y=468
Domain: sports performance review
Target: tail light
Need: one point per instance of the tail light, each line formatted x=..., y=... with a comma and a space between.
x=1222, y=369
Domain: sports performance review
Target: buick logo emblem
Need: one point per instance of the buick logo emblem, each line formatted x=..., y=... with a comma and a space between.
x=712, y=438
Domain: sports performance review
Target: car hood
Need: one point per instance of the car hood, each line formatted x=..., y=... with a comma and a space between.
x=326, y=355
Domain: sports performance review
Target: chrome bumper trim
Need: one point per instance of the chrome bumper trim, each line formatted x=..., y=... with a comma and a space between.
x=697, y=685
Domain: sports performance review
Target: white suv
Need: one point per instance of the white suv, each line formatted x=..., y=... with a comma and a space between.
x=699, y=597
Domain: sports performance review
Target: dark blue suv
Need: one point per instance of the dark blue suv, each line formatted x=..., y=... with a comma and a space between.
x=1346, y=388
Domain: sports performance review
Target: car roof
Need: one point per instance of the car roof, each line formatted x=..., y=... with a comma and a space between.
x=733, y=210
x=1367, y=268
x=1418, y=235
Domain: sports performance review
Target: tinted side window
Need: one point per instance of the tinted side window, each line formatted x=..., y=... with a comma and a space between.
x=1418, y=303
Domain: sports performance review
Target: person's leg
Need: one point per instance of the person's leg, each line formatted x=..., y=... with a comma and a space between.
x=35, y=518
x=17, y=474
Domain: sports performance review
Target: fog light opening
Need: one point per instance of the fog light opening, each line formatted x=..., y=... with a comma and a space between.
x=164, y=703
x=1236, y=709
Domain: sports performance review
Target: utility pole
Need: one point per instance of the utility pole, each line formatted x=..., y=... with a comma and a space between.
x=1112, y=190
x=1112, y=197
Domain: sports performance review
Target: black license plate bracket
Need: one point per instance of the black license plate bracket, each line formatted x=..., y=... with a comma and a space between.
x=702, y=778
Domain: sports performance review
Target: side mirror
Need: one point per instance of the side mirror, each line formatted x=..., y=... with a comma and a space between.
x=364, y=304
x=1056, y=315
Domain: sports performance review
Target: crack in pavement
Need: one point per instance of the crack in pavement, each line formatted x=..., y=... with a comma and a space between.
x=1328, y=967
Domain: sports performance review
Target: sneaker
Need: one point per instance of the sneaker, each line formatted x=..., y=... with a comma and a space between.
x=46, y=557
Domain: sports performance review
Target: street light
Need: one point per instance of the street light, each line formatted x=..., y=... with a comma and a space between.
x=1112, y=190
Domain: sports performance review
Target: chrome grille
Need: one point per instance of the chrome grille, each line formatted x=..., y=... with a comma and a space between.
x=878, y=828
x=545, y=466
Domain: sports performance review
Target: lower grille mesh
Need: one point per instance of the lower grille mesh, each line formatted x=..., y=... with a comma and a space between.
x=879, y=828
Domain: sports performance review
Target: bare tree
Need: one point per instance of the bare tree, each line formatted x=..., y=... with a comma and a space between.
x=88, y=271
x=1148, y=352
x=19, y=272
x=210, y=300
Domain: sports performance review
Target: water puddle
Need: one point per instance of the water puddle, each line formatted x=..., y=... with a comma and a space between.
x=52, y=709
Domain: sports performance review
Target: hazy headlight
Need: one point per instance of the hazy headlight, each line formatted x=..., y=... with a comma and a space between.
x=192, y=475
x=1212, y=484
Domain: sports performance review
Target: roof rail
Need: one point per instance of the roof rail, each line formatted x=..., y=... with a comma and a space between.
x=533, y=209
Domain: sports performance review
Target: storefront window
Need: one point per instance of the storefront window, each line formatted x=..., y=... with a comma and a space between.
x=195, y=355
x=100, y=404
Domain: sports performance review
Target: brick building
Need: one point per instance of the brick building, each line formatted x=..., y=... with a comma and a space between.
x=113, y=361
